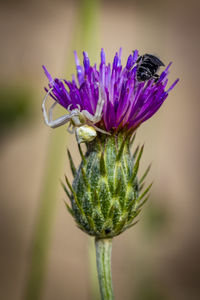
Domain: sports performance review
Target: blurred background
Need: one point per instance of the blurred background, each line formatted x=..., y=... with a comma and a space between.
x=40, y=246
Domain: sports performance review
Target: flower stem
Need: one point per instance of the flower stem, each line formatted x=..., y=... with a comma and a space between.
x=103, y=257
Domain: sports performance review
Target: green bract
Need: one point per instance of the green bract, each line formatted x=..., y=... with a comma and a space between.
x=106, y=195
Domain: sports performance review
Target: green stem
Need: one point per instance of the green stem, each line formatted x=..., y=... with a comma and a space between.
x=103, y=257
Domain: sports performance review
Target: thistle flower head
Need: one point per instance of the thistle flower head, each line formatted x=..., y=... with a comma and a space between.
x=106, y=195
x=127, y=102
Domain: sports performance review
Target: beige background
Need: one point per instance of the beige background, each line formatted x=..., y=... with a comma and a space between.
x=160, y=256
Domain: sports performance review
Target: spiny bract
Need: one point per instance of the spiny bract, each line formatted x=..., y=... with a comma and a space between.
x=106, y=194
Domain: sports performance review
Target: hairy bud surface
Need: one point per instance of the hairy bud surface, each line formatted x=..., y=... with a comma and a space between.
x=106, y=194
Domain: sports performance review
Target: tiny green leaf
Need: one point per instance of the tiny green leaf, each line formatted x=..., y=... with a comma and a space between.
x=132, y=140
x=102, y=165
x=144, y=193
x=145, y=174
x=72, y=166
x=120, y=152
x=143, y=202
x=136, y=166
x=65, y=189
x=135, y=152
x=69, y=209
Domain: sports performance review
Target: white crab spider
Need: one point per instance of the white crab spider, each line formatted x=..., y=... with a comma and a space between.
x=82, y=122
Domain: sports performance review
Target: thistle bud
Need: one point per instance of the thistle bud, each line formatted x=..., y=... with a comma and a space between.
x=106, y=193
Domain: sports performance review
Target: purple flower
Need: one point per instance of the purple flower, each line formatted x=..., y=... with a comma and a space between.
x=127, y=102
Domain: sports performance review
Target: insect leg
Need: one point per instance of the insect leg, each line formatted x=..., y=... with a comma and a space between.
x=139, y=59
x=156, y=77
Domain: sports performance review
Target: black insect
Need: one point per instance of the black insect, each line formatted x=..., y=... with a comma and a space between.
x=148, y=65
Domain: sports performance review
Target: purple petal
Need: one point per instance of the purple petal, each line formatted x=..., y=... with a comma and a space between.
x=103, y=56
x=173, y=85
x=48, y=74
x=127, y=102
x=86, y=61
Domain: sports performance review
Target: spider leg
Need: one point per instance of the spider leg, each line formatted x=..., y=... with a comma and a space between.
x=100, y=130
x=79, y=108
x=43, y=106
x=68, y=108
x=58, y=122
x=51, y=111
x=70, y=130
x=77, y=137
x=88, y=115
x=99, y=107
x=98, y=114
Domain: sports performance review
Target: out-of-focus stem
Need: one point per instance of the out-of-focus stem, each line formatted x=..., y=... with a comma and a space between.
x=45, y=217
x=56, y=149
x=103, y=257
